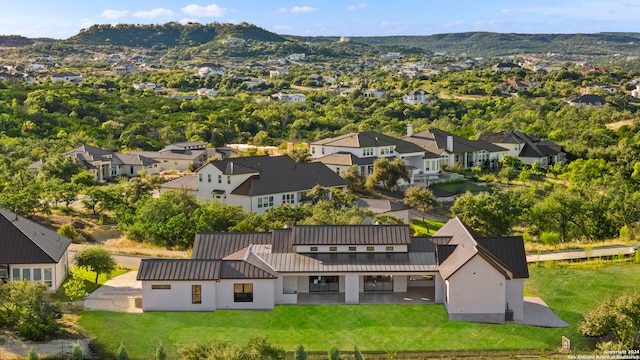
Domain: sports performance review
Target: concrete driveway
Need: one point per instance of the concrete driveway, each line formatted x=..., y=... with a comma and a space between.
x=122, y=294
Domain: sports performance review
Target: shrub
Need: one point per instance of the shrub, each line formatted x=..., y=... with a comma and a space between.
x=300, y=353
x=69, y=231
x=32, y=354
x=76, y=352
x=550, y=237
x=160, y=353
x=618, y=319
x=28, y=309
x=122, y=353
x=526, y=237
x=333, y=354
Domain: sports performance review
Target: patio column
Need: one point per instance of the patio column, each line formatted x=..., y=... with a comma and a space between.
x=351, y=288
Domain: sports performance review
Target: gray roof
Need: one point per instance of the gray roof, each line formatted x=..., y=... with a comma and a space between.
x=533, y=146
x=368, y=139
x=25, y=242
x=131, y=159
x=351, y=235
x=435, y=141
x=510, y=250
x=189, y=181
x=218, y=245
x=277, y=174
x=89, y=153
x=345, y=159
x=589, y=99
x=380, y=206
x=175, y=154
x=204, y=270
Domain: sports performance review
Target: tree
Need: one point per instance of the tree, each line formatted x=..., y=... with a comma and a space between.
x=355, y=179
x=619, y=318
x=122, y=353
x=491, y=214
x=388, y=173
x=420, y=198
x=74, y=288
x=300, y=353
x=29, y=310
x=96, y=259
x=76, y=352
x=32, y=354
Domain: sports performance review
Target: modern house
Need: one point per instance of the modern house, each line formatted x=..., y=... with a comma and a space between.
x=363, y=148
x=529, y=149
x=416, y=97
x=68, y=77
x=31, y=252
x=457, y=149
x=290, y=98
x=259, y=183
x=476, y=278
x=588, y=100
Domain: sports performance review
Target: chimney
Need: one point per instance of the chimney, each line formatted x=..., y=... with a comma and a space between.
x=409, y=129
x=450, y=143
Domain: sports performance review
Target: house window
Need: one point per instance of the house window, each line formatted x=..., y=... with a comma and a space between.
x=386, y=150
x=314, y=248
x=196, y=294
x=219, y=179
x=243, y=292
x=352, y=248
x=323, y=151
x=313, y=150
x=333, y=248
x=16, y=274
x=265, y=202
x=370, y=248
x=200, y=177
x=3, y=272
x=160, y=287
x=367, y=152
x=288, y=199
x=37, y=275
x=208, y=177
x=389, y=248
x=48, y=279
x=131, y=171
x=338, y=170
x=26, y=275
x=229, y=180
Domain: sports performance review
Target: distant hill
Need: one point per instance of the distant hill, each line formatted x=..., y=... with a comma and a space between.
x=168, y=35
x=500, y=44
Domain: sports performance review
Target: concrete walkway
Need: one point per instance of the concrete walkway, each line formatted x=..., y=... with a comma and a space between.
x=538, y=313
x=118, y=294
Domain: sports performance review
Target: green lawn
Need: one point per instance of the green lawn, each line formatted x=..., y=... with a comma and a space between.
x=570, y=292
x=418, y=226
x=89, y=279
x=460, y=187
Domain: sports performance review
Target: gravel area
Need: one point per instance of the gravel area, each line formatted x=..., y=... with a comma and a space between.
x=538, y=313
x=13, y=348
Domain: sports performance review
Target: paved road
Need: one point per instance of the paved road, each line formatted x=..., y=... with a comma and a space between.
x=130, y=259
x=581, y=253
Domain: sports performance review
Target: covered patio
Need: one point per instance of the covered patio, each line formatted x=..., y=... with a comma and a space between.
x=424, y=295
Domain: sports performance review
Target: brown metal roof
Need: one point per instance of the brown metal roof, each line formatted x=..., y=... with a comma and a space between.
x=243, y=270
x=351, y=235
x=510, y=251
x=23, y=241
x=215, y=246
x=178, y=269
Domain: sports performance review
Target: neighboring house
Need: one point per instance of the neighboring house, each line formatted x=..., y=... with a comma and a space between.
x=476, y=278
x=416, y=97
x=188, y=182
x=636, y=92
x=456, y=149
x=104, y=164
x=181, y=156
x=35, y=68
x=147, y=85
x=124, y=69
x=259, y=183
x=296, y=57
x=374, y=93
x=507, y=66
x=66, y=77
x=606, y=88
x=529, y=149
x=590, y=68
x=233, y=41
x=588, y=100
x=211, y=69
x=32, y=252
x=207, y=92
x=391, y=56
x=385, y=207
x=290, y=98
x=278, y=72
x=363, y=148
x=513, y=85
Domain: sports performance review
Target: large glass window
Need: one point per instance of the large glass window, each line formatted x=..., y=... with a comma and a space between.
x=243, y=292
x=16, y=274
x=324, y=283
x=196, y=294
x=26, y=274
x=378, y=283
x=288, y=198
x=367, y=152
x=48, y=279
x=265, y=201
x=37, y=275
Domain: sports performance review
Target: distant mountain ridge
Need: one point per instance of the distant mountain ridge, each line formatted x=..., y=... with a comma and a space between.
x=486, y=44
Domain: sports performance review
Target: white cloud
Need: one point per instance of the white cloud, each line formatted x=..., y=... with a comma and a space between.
x=155, y=13
x=303, y=9
x=281, y=10
x=357, y=6
x=211, y=10
x=114, y=14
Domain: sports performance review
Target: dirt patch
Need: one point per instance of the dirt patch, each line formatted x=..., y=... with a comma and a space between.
x=617, y=125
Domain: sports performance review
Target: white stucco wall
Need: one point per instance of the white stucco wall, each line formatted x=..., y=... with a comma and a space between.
x=352, y=288
x=178, y=298
x=286, y=290
x=515, y=297
x=263, y=294
x=476, y=288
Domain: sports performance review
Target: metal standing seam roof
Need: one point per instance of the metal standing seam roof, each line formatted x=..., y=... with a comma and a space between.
x=218, y=245
x=345, y=159
x=203, y=270
x=351, y=235
x=26, y=242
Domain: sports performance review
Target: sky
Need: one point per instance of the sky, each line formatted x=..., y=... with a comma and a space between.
x=64, y=18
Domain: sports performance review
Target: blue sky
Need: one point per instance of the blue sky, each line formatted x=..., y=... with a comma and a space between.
x=64, y=18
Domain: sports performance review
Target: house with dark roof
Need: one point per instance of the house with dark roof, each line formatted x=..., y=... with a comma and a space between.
x=363, y=148
x=104, y=164
x=453, y=149
x=588, y=100
x=259, y=183
x=385, y=207
x=528, y=148
x=181, y=156
x=31, y=252
x=476, y=278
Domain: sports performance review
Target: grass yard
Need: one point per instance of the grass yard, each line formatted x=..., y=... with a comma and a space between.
x=89, y=279
x=460, y=187
x=569, y=291
x=426, y=227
